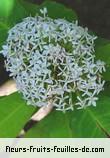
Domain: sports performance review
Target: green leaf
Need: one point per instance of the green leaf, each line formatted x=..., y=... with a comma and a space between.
x=90, y=122
x=102, y=52
x=17, y=14
x=14, y=113
x=3, y=32
x=30, y=8
x=5, y=8
x=57, y=10
x=106, y=89
x=101, y=41
x=23, y=9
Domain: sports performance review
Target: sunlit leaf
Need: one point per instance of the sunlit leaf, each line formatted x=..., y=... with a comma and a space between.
x=6, y=7
x=14, y=113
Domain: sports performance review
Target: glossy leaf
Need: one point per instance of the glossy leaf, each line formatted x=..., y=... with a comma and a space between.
x=5, y=8
x=14, y=113
x=17, y=14
x=90, y=122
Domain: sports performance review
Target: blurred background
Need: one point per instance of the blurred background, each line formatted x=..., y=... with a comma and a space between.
x=94, y=14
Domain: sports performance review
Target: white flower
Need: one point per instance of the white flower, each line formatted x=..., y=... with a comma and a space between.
x=100, y=66
x=53, y=59
x=5, y=50
x=81, y=103
x=91, y=99
x=43, y=11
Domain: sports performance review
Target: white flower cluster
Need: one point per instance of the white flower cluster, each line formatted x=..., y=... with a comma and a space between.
x=53, y=59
